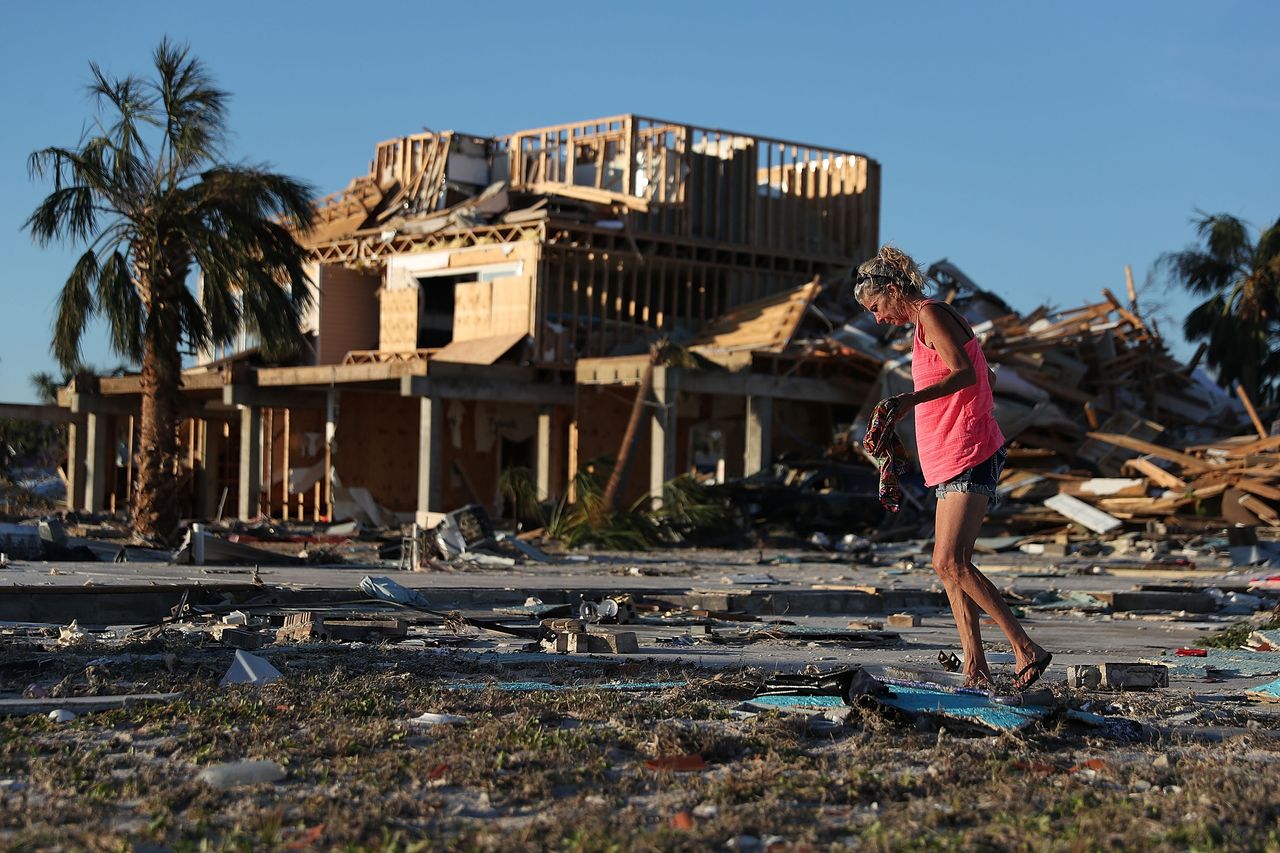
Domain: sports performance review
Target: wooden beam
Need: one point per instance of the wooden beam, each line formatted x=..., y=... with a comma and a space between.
x=1259, y=488
x=42, y=414
x=479, y=389
x=1260, y=509
x=1253, y=413
x=1156, y=474
x=276, y=398
x=1190, y=463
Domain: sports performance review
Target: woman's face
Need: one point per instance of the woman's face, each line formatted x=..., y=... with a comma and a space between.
x=888, y=307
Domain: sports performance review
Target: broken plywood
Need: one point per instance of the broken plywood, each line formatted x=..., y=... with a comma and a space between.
x=485, y=350
x=398, y=320
x=767, y=324
x=500, y=306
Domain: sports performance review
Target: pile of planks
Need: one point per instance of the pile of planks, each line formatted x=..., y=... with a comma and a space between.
x=1139, y=438
x=1106, y=429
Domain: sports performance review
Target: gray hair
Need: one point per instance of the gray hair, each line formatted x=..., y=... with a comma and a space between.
x=890, y=266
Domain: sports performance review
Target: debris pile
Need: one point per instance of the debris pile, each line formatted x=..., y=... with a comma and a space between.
x=1107, y=431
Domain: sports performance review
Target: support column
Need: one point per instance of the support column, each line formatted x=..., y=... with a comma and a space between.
x=662, y=447
x=210, y=488
x=431, y=439
x=545, y=452
x=98, y=461
x=330, y=430
x=250, y=461
x=759, y=435
x=76, y=437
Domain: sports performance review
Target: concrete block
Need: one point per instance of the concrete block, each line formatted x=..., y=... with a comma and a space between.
x=1118, y=676
x=621, y=643
x=241, y=638
x=903, y=620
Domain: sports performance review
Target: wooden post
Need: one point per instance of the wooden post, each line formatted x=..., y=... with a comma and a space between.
x=629, y=436
x=1133, y=293
x=1253, y=413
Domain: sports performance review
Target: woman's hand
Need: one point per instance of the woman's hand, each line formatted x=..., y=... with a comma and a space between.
x=906, y=402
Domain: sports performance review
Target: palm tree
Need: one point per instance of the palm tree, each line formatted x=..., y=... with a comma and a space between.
x=1239, y=320
x=149, y=197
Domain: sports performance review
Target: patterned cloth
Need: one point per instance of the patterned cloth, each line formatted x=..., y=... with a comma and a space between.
x=886, y=450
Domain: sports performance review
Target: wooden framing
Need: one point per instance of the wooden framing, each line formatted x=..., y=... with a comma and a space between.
x=646, y=227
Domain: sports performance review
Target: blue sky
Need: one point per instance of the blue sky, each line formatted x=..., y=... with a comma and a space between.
x=1039, y=146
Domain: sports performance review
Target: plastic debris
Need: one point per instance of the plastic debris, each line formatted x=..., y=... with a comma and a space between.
x=250, y=669
x=429, y=719
x=237, y=773
x=388, y=590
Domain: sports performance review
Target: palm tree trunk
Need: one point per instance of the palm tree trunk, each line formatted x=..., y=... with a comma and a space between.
x=155, y=505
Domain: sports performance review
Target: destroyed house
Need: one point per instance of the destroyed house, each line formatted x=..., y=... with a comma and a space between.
x=489, y=303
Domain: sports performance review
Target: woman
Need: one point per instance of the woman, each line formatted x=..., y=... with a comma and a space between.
x=961, y=450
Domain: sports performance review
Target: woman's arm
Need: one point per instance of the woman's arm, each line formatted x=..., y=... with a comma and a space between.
x=943, y=334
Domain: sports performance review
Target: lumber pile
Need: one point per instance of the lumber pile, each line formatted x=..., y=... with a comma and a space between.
x=1107, y=430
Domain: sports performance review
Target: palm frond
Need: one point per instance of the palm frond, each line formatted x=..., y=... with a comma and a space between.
x=194, y=109
x=46, y=386
x=75, y=306
x=121, y=304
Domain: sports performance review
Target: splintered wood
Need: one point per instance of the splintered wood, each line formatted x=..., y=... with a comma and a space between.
x=1094, y=386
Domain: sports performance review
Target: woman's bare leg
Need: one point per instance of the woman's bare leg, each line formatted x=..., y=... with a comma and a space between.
x=958, y=519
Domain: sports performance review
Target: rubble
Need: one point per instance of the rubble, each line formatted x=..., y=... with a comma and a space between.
x=1118, y=676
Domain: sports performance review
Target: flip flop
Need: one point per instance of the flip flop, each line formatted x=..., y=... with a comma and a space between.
x=1032, y=671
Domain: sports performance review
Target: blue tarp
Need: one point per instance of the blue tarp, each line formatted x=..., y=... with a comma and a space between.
x=912, y=698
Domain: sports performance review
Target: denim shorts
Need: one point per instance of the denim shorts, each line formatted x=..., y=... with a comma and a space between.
x=980, y=479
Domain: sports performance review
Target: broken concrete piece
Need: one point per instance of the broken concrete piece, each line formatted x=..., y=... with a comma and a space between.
x=622, y=643
x=250, y=669
x=903, y=620
x=1118, y=676
x=241, y=638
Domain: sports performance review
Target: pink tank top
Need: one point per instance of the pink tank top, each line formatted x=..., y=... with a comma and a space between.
x=958, y=431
